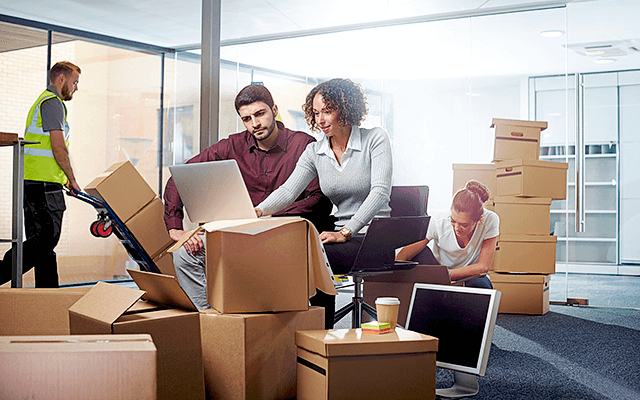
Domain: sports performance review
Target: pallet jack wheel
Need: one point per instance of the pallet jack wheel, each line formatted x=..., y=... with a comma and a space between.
x=103, y=229
x=93, y=228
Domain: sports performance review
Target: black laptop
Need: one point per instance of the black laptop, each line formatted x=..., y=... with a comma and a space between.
x=383, y=237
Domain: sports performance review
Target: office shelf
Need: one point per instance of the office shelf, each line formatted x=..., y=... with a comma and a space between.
x=599, y=242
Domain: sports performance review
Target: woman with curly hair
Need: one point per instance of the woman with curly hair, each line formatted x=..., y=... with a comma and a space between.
x=354, y=168
x=463, y=239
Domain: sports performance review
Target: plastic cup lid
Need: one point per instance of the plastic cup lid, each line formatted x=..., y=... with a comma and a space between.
x=388, y=300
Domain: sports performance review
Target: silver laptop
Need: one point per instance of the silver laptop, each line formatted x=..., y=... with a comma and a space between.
x=212, y=191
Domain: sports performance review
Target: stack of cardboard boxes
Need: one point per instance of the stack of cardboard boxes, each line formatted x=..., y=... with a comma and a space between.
x=135, y=203
x=261, y=274
x=523, y=188
x=39, y=359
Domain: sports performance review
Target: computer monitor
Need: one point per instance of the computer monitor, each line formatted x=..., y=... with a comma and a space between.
x=463, y=320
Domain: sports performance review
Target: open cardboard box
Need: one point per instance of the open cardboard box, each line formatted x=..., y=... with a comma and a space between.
x=522, y=293
x=517, y=139
x=78, y=367
x=261, y=265
x=36, y=311
x=347, y=364
x=108, y=308
x=253, y=356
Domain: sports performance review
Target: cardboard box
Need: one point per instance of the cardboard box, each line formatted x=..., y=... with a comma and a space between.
x=122, y=188
x=523, y=216
x=526, y=254
x=483, y=173
x=397, y=284
x=78, y=367
x=148, y=228
x=175, y=332
x=529, y=178
x=253, y=356
x=262, y=265
x=346, y=364
x=36, y=311
x=522, y=293
x=516, y=139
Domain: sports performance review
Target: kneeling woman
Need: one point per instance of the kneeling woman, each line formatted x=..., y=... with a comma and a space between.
x=463, y=239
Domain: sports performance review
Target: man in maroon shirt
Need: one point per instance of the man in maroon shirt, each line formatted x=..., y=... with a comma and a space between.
x=267, y=153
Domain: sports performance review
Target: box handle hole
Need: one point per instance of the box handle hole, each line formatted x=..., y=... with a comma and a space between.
x=518, y=134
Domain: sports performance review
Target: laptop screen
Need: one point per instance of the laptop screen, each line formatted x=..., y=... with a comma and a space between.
x=212, y=191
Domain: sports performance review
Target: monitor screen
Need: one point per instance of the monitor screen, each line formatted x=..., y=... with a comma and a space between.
x=462, y=318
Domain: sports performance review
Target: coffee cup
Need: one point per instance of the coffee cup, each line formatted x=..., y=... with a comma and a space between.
x=387, y=310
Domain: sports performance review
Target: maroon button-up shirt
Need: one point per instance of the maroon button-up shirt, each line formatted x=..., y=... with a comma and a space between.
x=262, y=171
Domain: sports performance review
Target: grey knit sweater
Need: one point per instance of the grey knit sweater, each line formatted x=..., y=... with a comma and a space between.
x=360, y=187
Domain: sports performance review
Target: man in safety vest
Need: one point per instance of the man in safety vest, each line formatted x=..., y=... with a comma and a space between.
x=46, y=169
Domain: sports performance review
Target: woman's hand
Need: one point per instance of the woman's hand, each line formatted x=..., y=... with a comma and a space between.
x=332, y=237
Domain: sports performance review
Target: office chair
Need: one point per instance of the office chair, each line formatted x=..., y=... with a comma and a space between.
x=405, y=201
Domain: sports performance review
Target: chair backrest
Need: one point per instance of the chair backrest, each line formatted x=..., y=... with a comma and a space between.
x=408, y=201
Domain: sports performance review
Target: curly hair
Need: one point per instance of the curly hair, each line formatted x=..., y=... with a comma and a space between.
x=470, y=199
x=341, y=95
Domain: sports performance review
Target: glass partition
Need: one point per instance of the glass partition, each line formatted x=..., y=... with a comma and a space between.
x=23, y=62
x=113, y=117
x=434, y=86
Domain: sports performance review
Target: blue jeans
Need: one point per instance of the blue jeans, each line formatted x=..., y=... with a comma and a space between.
x=479, y=282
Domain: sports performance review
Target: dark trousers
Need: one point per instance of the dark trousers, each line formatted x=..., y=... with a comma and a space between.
x=44, y=206
x=341, y=258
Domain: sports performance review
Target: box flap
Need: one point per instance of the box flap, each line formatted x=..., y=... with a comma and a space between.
x=319, y=276
x=516, y=122
x=188, y=235
x=249, y=226
x=526, y=238
x=518, y=278
x=536, y=163
x=105, y=302
x=162, y=289
x=352, y=342
x=522, y=200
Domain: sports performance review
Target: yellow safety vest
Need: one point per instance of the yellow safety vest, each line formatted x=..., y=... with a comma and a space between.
x=39, y=163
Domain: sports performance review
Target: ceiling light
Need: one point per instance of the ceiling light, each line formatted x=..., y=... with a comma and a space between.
x=594, y=52
x=551, y=34
x=605, y=61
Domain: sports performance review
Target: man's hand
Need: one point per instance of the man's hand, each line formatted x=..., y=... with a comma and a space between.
x=192, y=245
x=332, y=237
x=258, y=212
x=73, y=188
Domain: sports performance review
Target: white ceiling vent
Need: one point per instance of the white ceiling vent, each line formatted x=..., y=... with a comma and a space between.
x=615, y=48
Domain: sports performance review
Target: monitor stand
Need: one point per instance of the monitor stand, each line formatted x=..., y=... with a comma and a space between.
x=463, y=385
